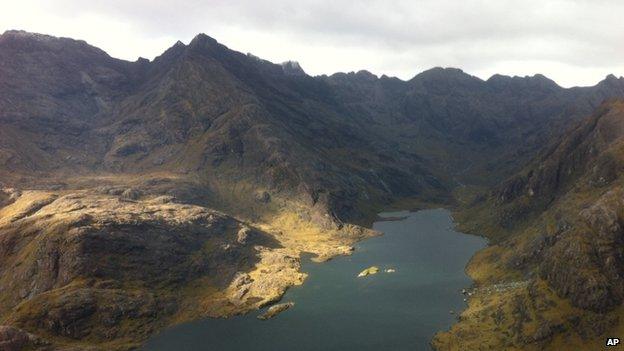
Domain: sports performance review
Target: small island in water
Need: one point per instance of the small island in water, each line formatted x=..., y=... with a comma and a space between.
x=369, y=271
x=275, y=310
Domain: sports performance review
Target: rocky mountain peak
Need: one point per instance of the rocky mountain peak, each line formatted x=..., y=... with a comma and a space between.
x=24, y=41
x=611, y=79
x=21, y=34
x=366, y=75
x=440, y=74
x=537, y=81
x=174, y=51
x=542, y=79
x=202, y=40
x=293, y=68
x=442, y=80
x=359, y=76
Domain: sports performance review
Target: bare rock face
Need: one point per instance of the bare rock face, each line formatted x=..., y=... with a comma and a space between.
x=244, y=235
x=95, y=230
x=293, y=68
x=241, y=285
x=587, y=263
x=131, y=194
x=84, y=265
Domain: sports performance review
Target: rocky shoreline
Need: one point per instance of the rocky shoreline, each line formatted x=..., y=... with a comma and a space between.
x=73, y=259
x=275, y=310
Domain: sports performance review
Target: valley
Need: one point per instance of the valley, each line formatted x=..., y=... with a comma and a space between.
x=140, y=195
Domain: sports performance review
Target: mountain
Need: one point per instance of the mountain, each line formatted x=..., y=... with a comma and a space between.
x=202, y=109
x=557, y=228
x=478, y=131
x=235, y=164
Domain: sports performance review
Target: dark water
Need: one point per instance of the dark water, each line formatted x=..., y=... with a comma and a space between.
x=334, y=310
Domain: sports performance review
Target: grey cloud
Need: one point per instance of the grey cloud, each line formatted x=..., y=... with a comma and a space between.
x=472, y=34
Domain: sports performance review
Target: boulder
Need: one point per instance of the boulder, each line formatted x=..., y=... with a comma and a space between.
x=275, y=310
x=369, y=271
x=263, y=197
x=243, y=235
x=131, y=194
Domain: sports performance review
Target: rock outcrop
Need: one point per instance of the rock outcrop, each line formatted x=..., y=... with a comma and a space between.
x=79, y=265
x=275, y=310
x=113, y=269
x=368, y=271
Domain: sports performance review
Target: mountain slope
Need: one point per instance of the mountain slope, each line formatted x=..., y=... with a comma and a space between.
x=205, y=110
x=479, y=131
x=558, y=228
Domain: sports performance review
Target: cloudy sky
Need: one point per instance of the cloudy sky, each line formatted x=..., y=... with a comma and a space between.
x=574, y=42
